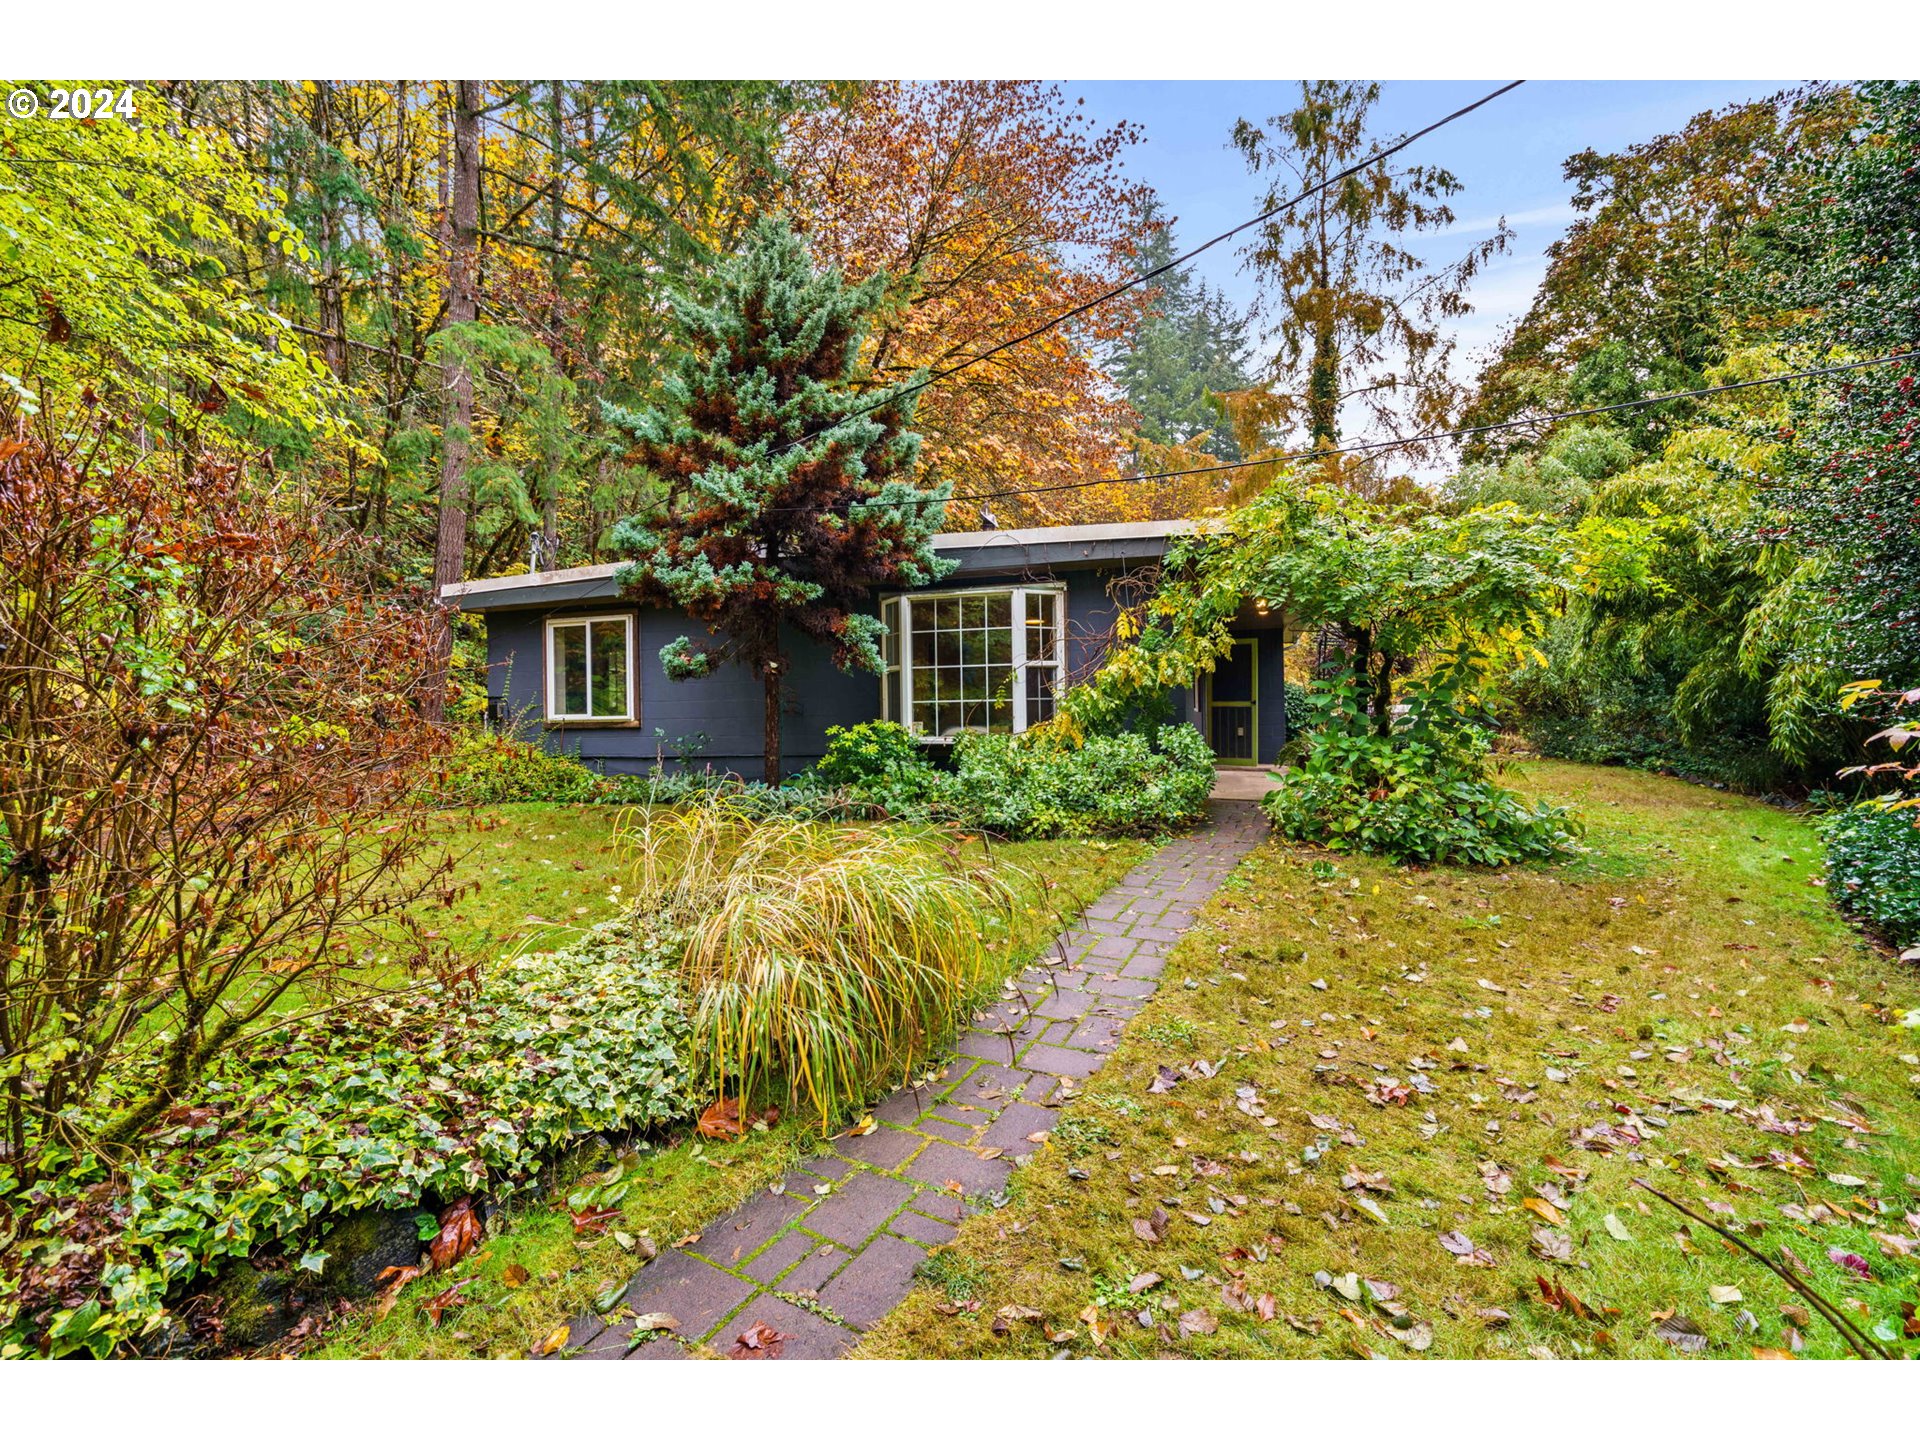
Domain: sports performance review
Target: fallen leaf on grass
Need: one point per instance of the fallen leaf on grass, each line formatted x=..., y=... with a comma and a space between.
x=1198, y=1322
x=446, y=1300
x=556, y=1339
x=1616, y=1229
x=514, y=1276
x=1724, y=1294
x=1545, y=1209
x=1551, y=1245
x=723, y=1120
x=1151, y=1230
x=1847, y=1260
x=1417, y=1336
x=393, y=1280
x=459, y=1233
x=1556, y=1296
x=592, y=1222
x=1164, y=1080
x=1371, y=1207
x=1347, y=1285
x=1466, y=1252
x=1681, y=1333
x=1007, y=1316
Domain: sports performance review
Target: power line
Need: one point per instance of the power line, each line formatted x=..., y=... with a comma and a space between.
x=1366, y=446
x=1384, y=153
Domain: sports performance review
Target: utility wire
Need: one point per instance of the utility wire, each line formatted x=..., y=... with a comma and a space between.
x=1366, y=446
x=948, y=372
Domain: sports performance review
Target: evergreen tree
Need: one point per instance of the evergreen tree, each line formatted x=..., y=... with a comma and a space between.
x=782, y=506
x=1184, y=353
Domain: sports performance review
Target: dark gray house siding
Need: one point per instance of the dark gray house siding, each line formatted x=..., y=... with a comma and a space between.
x=716, y=720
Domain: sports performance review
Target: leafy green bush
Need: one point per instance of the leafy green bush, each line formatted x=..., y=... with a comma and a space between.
x=1301, y=716
x=1873, y=867
x=1419, y=794
x=1040, y=784
x=859, y=754
x=885, y=768
x=493, y=770
x=376, y=1106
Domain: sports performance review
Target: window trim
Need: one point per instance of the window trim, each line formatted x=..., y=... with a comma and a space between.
x=556, y=716
x=1020, y=664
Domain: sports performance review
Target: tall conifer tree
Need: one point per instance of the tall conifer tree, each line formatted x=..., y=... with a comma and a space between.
x=783, y=505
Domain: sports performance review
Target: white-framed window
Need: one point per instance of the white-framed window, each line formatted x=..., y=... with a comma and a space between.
x=960, y=660
x=590, y=672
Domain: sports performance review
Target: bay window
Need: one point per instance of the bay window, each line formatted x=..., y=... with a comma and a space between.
x=590, y=668
x=981, y=660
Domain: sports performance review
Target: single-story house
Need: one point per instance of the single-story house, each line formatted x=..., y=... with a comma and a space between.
x=572, y=660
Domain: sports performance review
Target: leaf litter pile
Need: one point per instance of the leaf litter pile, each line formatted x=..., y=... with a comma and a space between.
x=1383, y=1111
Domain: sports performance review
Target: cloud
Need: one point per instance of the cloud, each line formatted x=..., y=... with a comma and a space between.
x=1557, y=215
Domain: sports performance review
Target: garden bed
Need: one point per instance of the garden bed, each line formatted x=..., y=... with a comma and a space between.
x=305, y=1154
x=647, y=1191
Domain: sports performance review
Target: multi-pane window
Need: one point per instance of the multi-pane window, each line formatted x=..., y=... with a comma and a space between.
x=590, y=668
x=972, y=660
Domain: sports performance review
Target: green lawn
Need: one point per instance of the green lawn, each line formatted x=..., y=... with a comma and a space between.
x=1434, y=1090
x=527, y=874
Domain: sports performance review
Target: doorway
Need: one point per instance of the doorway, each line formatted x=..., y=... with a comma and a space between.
x=1231, y=695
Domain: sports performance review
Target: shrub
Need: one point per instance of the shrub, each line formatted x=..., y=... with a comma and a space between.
x=884, y=767
x=860, y=754
x=494, y=770
x=1419, y=794
x=213, y=751
x=1301, y=717
x=1873, y=867
x=376, y=1106
x=821, y=961
x=1041, y=783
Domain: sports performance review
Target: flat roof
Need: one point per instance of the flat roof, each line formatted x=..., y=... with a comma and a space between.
x=978, y=551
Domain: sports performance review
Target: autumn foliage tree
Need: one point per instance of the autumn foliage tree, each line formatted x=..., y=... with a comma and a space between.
x=1361, y=319
x=991, y=207
x=786, y=497
x=1642, y=294
x=210, y=784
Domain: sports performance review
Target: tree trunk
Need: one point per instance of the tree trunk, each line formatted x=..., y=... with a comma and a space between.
x=463, y=306
x=1383, y=696
x=773, y=722
x=556, y=311
x=1323, y=380
x=333, y=317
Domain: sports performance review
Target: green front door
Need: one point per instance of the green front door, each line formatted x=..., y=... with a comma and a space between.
x=1232, y=696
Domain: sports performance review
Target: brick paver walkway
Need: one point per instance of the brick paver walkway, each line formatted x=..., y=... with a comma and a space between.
x=822, y=1267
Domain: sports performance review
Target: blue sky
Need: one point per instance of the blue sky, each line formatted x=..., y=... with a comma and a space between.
x=1508, y=155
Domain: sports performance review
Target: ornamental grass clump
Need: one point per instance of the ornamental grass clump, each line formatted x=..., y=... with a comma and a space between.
x=820, y=961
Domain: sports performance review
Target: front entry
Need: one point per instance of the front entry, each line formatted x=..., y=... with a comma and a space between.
x=1231, y=696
